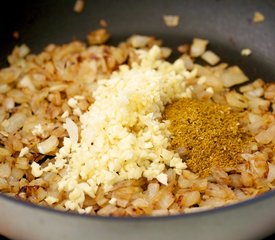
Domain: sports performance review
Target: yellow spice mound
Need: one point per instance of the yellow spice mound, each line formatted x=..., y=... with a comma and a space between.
x=206, y=134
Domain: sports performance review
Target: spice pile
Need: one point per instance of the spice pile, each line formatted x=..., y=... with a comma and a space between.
x=206, y=134
x=83, y=128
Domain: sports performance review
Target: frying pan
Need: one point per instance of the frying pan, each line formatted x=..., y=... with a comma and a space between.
x=229, y=28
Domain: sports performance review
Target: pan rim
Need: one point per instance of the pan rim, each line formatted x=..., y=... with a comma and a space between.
x=217, y=210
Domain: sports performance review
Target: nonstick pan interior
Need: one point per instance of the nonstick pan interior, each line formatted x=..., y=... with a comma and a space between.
x=226, y=24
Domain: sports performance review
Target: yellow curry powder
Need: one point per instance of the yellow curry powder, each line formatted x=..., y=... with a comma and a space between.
x=206, y=134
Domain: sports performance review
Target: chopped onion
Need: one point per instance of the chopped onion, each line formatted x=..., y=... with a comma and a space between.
x=48, y=145
x=139, y=41
x=72, y=130
x=271, y=172
x=266, y=136
x=258, y=17
x=246, y=52
x=79, y=6
x=233, y=76
x=210, y=57
x=235, y=99
x=171, y=20
x=15, y=122
x=198, y=47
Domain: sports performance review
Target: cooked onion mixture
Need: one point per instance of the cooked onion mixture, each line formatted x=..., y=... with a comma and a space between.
x=121, y=131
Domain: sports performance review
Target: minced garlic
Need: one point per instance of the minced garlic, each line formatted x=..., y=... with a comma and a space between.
x=122, y=135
